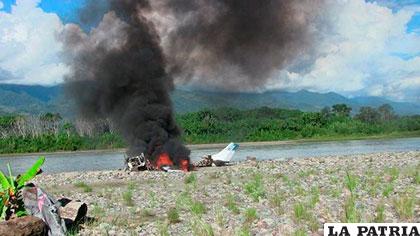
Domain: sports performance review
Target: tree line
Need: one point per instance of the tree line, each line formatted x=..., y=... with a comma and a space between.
x=269, y=124
x=50, y=132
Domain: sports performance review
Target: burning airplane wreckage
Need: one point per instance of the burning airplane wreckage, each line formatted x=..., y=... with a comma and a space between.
x=141, y=162
x=125, y=68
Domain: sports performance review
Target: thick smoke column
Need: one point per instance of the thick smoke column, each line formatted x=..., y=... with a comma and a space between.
x=118, y=73
x=237, y=44
x=123, y=69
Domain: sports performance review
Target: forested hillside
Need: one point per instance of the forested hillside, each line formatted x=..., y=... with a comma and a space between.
x=37, y=100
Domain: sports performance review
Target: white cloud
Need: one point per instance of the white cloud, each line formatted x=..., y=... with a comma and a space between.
x=1, y=5
x=29, y=49
x=362, y=55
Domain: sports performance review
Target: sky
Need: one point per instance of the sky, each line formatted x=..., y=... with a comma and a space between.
x=373, y=48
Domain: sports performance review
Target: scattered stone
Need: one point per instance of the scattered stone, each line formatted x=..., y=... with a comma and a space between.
x=284, y=183
x=251, y=158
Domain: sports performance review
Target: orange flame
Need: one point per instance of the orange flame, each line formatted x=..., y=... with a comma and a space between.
x=185, y=164
x=163, y=160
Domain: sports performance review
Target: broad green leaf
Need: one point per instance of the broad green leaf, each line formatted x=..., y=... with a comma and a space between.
x=3, y=213
x=31, y=173
x=4, y=181
x=21, y=213
x=11, y=178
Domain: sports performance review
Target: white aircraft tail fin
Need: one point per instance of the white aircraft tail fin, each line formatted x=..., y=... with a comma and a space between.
x=226, y=154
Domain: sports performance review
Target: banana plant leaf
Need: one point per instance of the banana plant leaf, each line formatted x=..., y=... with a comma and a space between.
x=11, y=180
x=4, y=182
x=31, y=173
x=21, y=213
x=3, y=207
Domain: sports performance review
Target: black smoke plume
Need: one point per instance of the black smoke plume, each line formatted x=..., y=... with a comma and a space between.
x=124, y=69
x=238, y=44
x=118, y=72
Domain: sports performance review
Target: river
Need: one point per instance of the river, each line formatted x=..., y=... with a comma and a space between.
x=90, y=161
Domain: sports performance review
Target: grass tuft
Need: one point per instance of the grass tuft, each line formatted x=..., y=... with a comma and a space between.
x=389, y=188
x=128, y=198
x=351, y=215
x=300, y=212
x=163, y=229
x=243, y=231
x=417, y=177
x=191, y=179
x=198, y=208
x=201, y=228
x=394, y=172
x=220, y=220
x=173, y=216
x=97, y=211
x=300, y=232
x=350, y=182
x=380, y=213
x=231, y=204
x=183, y=201
x=277, y=202
x=85, y=187
x=404, y=206
x=250, y=215
x=314, y=199
x=255, y=188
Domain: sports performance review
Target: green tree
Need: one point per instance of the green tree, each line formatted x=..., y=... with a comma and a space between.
x=51, y=117
x=386, y=112
x=341, y=110
x=369, y=115
x=326, y=112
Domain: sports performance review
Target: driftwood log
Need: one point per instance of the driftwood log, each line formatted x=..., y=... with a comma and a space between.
x=73, y=212
x=24, y=226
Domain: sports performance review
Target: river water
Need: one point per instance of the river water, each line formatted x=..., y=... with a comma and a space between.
x=89, y=161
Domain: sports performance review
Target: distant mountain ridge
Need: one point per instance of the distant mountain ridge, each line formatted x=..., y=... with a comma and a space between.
x=40, y=99
x=302, y=100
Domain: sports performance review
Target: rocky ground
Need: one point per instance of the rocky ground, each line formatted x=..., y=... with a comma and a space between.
x=292, y=197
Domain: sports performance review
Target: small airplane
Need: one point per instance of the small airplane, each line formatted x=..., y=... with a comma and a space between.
x=222, y=158
x=226, y=155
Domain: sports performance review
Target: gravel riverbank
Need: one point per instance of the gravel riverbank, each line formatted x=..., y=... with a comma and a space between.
x=292, y=197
